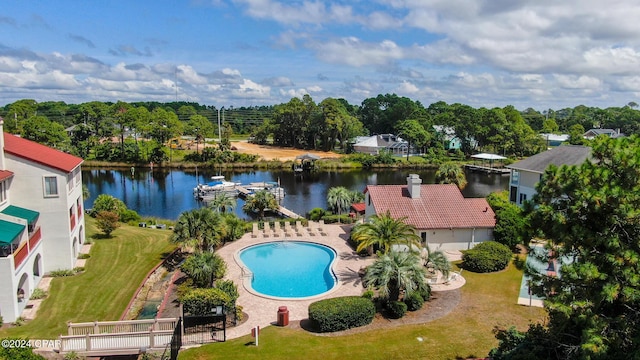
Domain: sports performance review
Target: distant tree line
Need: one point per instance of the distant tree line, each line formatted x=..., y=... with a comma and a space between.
x=141, y=131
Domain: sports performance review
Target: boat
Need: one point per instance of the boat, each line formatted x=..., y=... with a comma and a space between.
x=217, y=185
x=270, y=186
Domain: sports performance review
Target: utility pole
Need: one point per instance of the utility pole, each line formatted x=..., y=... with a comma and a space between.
x=219, y=128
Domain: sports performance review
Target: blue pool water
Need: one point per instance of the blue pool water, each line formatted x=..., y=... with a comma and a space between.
x=290, y=269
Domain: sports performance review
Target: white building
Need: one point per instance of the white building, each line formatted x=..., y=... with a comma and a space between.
x=373, y=145
x=41, y=217
x=526, y=174
x=444, y=219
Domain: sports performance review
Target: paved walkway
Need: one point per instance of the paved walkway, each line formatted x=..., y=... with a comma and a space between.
x=263, y=311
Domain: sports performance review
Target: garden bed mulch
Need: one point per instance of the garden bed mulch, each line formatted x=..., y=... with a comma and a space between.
x=440, y=304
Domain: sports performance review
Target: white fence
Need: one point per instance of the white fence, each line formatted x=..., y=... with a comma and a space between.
x=118, y=336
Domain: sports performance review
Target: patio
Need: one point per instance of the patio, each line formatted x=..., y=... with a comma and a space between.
x=262, y=311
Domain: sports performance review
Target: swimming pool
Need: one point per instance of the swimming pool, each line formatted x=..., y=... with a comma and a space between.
x=289, y=269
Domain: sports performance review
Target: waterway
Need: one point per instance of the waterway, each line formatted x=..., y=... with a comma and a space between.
x=165, y=193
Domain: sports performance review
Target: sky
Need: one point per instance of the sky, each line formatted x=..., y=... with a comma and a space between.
x=543, y=54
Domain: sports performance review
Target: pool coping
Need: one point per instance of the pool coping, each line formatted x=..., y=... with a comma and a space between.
x=262, y=311
x=246, y=279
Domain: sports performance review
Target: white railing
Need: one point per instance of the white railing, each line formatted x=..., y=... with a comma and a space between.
x=114, y=327
x=117, y=341
x=246, y=273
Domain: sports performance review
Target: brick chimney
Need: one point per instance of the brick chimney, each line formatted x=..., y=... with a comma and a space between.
x=413, y=185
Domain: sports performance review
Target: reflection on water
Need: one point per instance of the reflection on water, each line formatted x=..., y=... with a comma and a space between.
x=166, y=193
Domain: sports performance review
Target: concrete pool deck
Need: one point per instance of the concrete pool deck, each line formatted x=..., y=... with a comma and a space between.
x=262, y=311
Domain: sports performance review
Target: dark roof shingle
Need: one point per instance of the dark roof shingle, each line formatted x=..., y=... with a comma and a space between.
x=562, y=155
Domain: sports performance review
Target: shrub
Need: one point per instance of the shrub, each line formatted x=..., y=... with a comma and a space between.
x=487, y=257
x=341, y=313
x=229, y=288
x=83, y=256
x=414, y=301
x=18, y=352
x=424, y=292
x=129, y=216
x=38, y=294
x=368, y=294
x=107, y=222
x=201, y=301
x=183, y=288
x=344, y=219
x=316, y=214
x=396, y=309
x=62, y=273
x=511, y=225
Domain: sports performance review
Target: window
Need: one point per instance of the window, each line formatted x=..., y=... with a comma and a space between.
x=77, y=174
x=515, y=177
x=523, y=198
x=70, y=181
x=513, y=194
x=50, y=186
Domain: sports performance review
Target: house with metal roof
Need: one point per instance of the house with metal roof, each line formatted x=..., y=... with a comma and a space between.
x=372, y=145
x=443, y=217
x=525, y=174
x=593, y=133
x=41, y=217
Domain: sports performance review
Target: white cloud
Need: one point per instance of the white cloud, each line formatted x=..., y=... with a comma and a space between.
x=578, y=82
x=351, y=51
x=407, y=88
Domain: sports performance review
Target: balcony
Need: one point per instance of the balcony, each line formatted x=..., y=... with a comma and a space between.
x=21, y=251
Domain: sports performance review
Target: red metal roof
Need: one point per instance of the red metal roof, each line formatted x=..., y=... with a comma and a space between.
x=40, y=154
x=5, y=174
x=440, y=206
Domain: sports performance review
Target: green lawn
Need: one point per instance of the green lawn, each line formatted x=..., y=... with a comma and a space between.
x=488, y=300
x=114, y=271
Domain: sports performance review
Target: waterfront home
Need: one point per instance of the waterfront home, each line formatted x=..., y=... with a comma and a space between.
x=443, y=217
x=372, y=145
x=593, y=133
x=41, y=217
x=525, y=174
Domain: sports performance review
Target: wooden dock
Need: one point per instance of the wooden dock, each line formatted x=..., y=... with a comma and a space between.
x=287, y=213
x=242, y=191
x=487, y=169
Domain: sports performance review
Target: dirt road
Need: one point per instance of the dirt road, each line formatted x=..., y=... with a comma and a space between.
x=278, y=153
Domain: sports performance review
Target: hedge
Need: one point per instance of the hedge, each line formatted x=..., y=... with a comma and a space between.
x=487, y=257
x=342, y=313
x=201, y=301
x=414, y=301
x=396, y=309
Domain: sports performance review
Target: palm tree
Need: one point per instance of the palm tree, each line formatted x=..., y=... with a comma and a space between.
x=450, y=173
x=221, y=202
x=385, y=231
x=437, y=261
x=395, y=272
x=339, y=199
x=235, y=227
x=204, y=267
x=260, y=201
x=201, y=228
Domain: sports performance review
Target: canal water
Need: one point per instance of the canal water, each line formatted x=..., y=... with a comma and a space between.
x=165, y=193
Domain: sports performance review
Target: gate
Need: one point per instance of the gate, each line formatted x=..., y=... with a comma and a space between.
x=176, y=343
